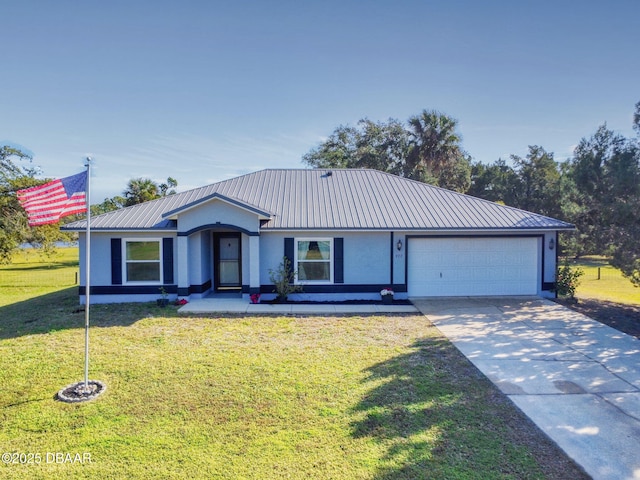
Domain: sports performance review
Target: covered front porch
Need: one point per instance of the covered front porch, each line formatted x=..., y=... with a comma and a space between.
x=218, y=260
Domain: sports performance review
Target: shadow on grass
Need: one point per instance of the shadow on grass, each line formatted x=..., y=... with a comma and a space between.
x=53, y=265
x=60, y=310
x=437, y=416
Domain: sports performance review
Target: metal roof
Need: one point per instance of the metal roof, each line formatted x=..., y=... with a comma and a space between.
x=336, y=199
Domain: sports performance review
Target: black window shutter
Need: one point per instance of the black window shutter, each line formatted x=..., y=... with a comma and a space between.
x=288, y=251
x=338, y=260
x=167, y=260
x=116, y=261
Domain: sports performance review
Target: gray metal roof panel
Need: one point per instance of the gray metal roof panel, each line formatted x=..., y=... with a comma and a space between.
x=306, y=199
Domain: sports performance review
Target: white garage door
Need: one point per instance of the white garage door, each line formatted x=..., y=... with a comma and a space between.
x=472, y=266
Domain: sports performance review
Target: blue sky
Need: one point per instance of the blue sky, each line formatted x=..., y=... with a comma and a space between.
x=207, y=90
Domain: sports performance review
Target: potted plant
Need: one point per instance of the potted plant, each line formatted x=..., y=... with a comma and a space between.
x=255, y=298
x=387, y=296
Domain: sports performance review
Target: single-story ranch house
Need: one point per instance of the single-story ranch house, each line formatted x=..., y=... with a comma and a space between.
x=349, y=233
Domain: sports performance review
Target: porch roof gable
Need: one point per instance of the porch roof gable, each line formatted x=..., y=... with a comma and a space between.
x=261, y=213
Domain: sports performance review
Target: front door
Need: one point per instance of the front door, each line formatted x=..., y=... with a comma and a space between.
x=228, y=262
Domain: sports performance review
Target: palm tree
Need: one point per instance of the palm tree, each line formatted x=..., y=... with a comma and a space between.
x=435, y=146
x=140, y=190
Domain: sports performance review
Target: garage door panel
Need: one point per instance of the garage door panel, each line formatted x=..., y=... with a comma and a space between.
x=472, y=266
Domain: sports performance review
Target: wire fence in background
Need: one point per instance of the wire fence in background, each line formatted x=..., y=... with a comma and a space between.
x=38, y=277
x=601, y=273
x=594, y=268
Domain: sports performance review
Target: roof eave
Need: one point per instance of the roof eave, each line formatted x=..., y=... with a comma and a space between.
x=431, y=230
x=123, y=229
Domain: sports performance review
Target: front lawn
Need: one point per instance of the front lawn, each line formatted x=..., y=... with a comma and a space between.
x=253, y=397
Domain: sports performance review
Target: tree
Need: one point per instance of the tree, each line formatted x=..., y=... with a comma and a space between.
x=533, y=183
x=605, y=198
x=497, y=182
x=169, y=187
x=591, y=198
x=436, y=155
x=626, y=170
x=537, y=182
x=626, y=255
x=425, y=149
x=141, y=190
x=378, y=145
x=108, y=205
x=14, y=229
x=138, y=190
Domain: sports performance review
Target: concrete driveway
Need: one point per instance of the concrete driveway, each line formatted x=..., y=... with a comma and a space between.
x=577, y=379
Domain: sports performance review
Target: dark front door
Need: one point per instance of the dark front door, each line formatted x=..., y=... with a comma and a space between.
x=228, y=262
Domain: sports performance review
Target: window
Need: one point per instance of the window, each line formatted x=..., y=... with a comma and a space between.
x=142, y=261
x=314, y=260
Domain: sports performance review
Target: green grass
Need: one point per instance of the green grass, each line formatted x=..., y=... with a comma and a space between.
x=612, y=286
x=30, y=275
x=252, y=398
x=357, y=397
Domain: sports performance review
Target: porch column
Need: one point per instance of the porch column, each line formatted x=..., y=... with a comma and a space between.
x=183, y=266
x=254, y=264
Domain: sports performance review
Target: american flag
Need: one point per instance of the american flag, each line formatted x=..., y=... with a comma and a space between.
x=50, y=202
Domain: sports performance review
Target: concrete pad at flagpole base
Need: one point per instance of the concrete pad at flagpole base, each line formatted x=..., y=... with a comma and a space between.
x=77, y=392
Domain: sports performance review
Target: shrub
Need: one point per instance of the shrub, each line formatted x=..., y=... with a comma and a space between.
x=283, y=279
x=567, y=280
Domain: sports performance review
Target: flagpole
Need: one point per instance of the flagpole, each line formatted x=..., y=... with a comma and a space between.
x=87, y=278
x=80, y=391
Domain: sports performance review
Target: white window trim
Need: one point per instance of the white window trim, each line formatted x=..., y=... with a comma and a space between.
x=125, y=281
x=295, y=260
